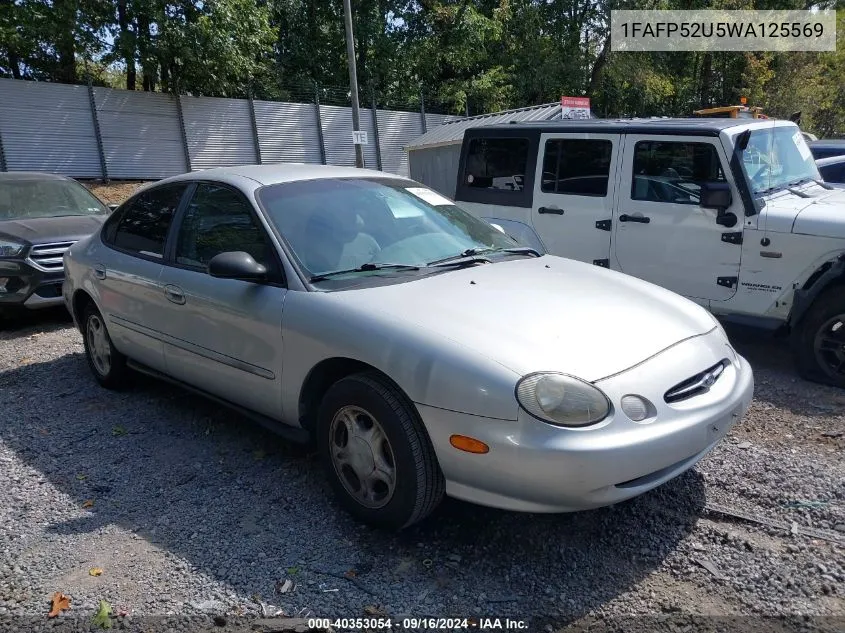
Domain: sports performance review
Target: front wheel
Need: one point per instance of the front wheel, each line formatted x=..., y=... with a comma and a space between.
x=818, y=343
x=376, y=452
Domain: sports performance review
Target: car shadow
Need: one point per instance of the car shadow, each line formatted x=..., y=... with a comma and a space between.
x=245, y=508
x=22, y=323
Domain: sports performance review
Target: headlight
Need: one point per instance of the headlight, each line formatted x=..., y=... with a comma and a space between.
x=561, y=399
x=11, y=249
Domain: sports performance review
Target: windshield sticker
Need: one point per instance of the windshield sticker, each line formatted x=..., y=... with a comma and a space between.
x=432, y=197
x=801, y=145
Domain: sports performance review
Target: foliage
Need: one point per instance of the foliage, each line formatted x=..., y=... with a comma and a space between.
x=463, y=55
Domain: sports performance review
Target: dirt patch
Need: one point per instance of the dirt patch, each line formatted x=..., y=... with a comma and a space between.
x=114, y=192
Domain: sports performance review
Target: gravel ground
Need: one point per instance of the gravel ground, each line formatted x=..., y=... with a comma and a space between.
x=116, y=191
x=190, y=510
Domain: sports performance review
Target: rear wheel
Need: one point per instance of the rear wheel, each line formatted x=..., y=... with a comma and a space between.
x=107, y=364
x=818, y=343
x=376, y=452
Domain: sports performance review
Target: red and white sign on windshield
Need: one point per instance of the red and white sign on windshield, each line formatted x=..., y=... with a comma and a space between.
x=575, y=107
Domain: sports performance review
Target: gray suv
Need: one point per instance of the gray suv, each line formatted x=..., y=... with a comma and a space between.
x=41, y=215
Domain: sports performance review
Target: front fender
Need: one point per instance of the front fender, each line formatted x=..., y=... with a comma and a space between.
x=430, y=369
x=825, y=275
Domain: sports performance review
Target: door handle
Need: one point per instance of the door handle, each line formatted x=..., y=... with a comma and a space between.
x=99, y=271
x=174, y=294
x=553, y=210
x=634, y=218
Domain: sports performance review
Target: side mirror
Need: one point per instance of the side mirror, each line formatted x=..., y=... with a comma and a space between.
x=716, y=195
x=236, y=265
x=112, y=206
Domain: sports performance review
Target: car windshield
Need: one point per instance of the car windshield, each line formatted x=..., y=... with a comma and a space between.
x=344, y=223
x=30, y=198
x=778, y=156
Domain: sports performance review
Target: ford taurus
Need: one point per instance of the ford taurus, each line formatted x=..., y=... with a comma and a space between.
x=423, y=350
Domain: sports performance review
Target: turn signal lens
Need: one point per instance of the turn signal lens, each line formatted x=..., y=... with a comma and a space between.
x=469, y=444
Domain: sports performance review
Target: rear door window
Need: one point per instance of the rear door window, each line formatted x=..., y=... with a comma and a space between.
x=144, y=223
x=578, y=167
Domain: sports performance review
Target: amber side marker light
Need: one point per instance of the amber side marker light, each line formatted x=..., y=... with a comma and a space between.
x=468, y=444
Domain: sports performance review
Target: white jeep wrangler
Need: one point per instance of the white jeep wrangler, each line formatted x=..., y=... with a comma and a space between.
x=731, y=213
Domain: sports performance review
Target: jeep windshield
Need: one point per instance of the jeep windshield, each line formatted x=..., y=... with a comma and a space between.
x=777, y=157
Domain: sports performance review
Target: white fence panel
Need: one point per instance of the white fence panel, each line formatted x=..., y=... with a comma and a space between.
x=287, y=132
x=141, y=134
x=219, y=132
x=396, y=131
x=48, y=127
x=337, y=135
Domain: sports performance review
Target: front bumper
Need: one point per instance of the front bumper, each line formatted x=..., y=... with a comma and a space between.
x=537, y=467
x=29, y=287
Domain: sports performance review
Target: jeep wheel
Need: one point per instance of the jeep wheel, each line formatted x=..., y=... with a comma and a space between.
x=818, y=343
x=106, y=363
x=376, y=452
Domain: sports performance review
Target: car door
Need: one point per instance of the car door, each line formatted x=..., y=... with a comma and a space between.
x=573, y=194
x=224, y=335
x=661, y=233
x=128, y=272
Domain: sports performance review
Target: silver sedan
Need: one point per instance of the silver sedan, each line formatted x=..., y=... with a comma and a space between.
x=422, y=349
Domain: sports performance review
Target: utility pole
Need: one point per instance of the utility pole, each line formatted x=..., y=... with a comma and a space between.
x=353, y=79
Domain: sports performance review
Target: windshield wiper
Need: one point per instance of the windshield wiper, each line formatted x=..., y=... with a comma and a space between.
x=520, y=250
x=474, y=255
x=363, y=268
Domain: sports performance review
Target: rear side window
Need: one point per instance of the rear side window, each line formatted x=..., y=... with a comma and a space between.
x=143, y=225
x=496, y=163
x=672, y=171
x=578, y=167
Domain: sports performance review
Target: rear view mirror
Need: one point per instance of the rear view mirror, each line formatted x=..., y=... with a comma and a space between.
x=236, y=265
x=716, y=195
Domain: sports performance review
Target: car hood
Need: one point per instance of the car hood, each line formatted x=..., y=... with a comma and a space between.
x=44, y=230
x=822, y=214
x=541, y=314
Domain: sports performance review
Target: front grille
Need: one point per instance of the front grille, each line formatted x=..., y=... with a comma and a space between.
x=696, y=385
x=48, y=257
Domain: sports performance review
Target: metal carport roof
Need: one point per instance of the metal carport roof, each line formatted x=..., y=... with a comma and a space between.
x=453, y=131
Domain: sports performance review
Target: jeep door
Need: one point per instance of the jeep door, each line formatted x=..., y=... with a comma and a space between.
x=574, y=189
x=660, y=231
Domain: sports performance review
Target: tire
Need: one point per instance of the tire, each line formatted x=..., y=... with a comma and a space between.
x=814, y=360
x=113, y=373
x=418, y=484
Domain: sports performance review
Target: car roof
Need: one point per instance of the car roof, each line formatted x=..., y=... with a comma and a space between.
x=29, y=175
x=280, y=172
x=706, y=126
